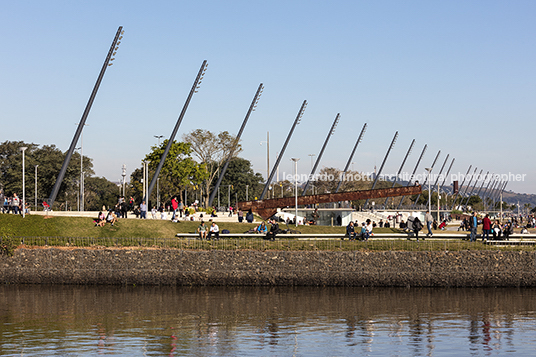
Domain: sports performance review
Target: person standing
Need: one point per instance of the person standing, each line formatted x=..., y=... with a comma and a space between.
x=240, y=216
x=15, y=202
x=175, y=207
x=181, y=208
x=473, y=223
x=429, y=220
x=486, y=227
x=143, y=210
x=249, y=216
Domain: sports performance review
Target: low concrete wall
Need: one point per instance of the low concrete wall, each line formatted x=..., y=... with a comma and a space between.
x=184, y=267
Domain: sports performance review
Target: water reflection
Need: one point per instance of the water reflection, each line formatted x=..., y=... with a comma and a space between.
x=248, y=321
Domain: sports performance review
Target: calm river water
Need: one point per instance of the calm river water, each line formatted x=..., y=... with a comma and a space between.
x=275, y=321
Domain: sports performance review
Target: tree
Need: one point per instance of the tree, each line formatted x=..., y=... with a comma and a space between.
x=240, y=174
x=212, y=150
x=100, y=192
x=50, y=159
x=179, y=171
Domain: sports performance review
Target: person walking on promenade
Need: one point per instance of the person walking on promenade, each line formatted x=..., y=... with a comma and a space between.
x=143, y=210
x=473, y=223
x=429, y=220
x=486, y=227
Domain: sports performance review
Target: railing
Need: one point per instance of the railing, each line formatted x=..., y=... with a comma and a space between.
x=258, y=243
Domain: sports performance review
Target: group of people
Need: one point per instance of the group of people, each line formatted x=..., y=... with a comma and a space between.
x=11, y=204
x=105, y=217
x=364, y=232
x=208, y=232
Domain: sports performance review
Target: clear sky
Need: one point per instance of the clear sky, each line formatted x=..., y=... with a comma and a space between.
x=456, y=75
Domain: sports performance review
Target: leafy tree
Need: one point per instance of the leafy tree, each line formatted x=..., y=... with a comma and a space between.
x=212, y=150
x=50, y=159
x=100, y=192
x=178, y=173
x=240, y=174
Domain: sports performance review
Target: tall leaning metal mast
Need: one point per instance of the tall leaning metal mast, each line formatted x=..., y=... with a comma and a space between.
x=194, y=89
x=109, y=58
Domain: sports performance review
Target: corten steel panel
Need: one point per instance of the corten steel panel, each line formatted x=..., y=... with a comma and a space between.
x=267, y=208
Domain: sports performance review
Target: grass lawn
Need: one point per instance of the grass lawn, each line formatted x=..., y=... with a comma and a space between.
x=41, y=226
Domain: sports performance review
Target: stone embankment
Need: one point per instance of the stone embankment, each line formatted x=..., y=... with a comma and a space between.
x=245, y=267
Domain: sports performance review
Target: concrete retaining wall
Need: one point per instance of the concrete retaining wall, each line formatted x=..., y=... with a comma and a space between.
x=183, y=267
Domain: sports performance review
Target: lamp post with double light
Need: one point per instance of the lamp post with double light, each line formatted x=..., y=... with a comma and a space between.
x=429, y=169
x=23, y=149
x=296, y=188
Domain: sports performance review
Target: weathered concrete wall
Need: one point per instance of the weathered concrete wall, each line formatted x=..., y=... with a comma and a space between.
x=183, y=267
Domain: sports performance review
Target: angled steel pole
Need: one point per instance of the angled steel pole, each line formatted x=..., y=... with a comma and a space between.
x=313, y=170
x=274, y=168
x=499, y=194
x=106, y=64
x=400, y=169
x=413, y=173
x=492, y=189
x=426, y=179
x=383, y=163
x=459, y=187
x=237, y=140
x=351, y=157
x=472, y=190
x=446, y=175
x=195, y=86
x=496, y=193
x=485, y=192
x=467, y=187
x=437, y=179
x=483, y=181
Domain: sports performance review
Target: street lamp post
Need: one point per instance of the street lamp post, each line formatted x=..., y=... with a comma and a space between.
x=296, y=188
x=124, y=174
x=429, y=169
x=81, y=199
x=158, y=192
x=311, y=155
x=23, y=149
x=35, y=191
x=247, y=186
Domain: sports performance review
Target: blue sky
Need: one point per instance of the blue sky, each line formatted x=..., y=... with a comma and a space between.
x=456, y=75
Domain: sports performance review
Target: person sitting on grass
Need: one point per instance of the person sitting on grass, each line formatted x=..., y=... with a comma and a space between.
x=261, y=228
x=274, y=229
x=202, y=230
x=100, y=220
x=111, y=217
